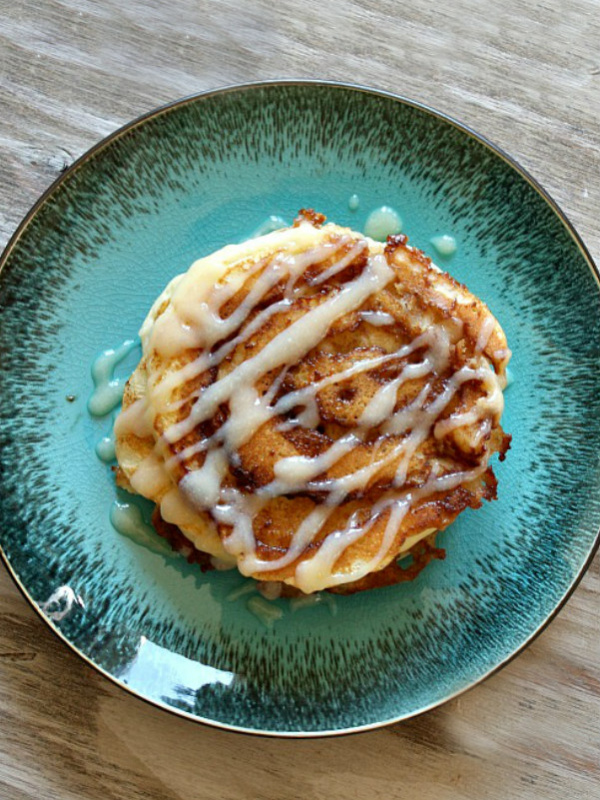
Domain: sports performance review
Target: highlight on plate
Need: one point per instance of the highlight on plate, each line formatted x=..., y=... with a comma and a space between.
x=311, y=406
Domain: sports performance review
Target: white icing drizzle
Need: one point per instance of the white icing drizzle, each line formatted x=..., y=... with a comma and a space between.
x=485, y=332
x=339, y=265
x=295, y=472
x=135, y=419
x=204, y=484
x=193, y=319
x=265, y=611
x=287, y=347
x=376, y=318
x=151, y=476
x=126, y=518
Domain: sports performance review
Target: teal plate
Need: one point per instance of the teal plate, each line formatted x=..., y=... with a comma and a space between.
x=79, y=276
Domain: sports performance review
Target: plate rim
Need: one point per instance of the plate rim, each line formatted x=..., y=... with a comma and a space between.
x=165, y=108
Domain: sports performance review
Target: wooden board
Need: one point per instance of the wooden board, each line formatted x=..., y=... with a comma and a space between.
x=525, y=75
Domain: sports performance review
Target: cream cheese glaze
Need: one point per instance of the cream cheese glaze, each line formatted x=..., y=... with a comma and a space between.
x=189, y=479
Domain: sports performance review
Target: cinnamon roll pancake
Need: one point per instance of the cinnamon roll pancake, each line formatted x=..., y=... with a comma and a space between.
x=312, y=405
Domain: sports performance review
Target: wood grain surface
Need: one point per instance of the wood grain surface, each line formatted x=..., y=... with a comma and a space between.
x=527, y=76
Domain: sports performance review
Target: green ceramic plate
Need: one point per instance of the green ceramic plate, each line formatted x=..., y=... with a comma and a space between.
x=79, y=276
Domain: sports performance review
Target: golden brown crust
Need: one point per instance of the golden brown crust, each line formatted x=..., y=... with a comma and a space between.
x=309, y=215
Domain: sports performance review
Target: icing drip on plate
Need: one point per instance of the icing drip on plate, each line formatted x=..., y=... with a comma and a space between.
x=108, y=390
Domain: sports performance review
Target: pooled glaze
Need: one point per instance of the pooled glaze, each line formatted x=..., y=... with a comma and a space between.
x=383, y=222
x=108, y=390
x=445, y=245
x=126, y=518
x=273, y=223
x=377, y=318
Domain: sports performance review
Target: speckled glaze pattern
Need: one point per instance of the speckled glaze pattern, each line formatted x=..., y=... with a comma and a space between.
x=80, y=276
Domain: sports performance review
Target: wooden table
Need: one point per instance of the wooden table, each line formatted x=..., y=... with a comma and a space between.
x=525, y=75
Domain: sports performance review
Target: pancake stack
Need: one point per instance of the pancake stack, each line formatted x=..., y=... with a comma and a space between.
x=311, y=406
